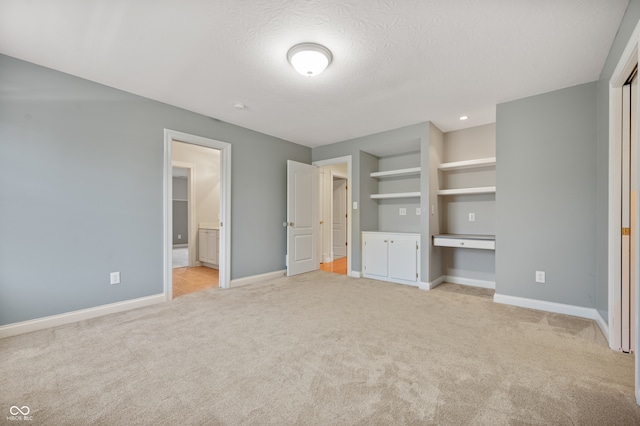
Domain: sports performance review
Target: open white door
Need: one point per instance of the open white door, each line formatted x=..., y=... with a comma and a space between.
x=302, y=223
x=339, y=222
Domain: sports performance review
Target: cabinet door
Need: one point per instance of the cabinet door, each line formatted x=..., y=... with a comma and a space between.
x=216, y=258
x=375, y=258
x=212, y=250
x=403, y=258
x=202, y=245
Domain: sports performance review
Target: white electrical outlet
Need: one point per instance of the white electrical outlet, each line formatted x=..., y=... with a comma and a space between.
x=179, y=236
x=403, y=211
x=115, y=278
x=472, y=217
x=433, y=209
x=418, y=211
x=540, y=276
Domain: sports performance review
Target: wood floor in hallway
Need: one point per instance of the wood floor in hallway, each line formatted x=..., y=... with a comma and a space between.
x=338, y=266
x=197, y=278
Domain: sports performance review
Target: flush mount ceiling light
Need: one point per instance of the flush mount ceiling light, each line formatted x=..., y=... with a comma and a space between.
x=309, y=59
x=464, y=117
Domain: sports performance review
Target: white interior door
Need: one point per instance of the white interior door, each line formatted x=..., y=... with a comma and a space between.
x=339, y=218
x=302, y=198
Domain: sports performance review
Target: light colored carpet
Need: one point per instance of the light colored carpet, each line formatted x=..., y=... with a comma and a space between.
x=180, y=257
x=321, y=349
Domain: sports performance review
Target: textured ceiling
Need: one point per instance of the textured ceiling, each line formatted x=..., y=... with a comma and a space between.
x=396, y=62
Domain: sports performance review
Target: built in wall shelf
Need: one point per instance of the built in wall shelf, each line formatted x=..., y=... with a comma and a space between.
x=394, y=173
x=395, y=195
x=467, y=191
x=468, y=164
x=483, y=242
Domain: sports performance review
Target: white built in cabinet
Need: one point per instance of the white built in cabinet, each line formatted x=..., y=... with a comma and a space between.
x=391, y=256
x=208, y=241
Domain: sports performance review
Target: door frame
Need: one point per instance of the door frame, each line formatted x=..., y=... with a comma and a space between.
x=225, y=205
x=341, y=160
x=337, y=175
x=191, y=212
x=627, y=62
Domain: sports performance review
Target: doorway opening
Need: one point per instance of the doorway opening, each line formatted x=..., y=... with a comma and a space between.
x=196, y=217
x=333, y=212
x=197, y=214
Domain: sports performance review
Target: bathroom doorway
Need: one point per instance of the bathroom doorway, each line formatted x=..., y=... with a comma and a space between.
x=197, y=205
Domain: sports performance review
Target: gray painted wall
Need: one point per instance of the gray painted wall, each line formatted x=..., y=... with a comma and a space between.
x=629, y=22
x=180, y=211
x=81, y=166
x=402, y=140
x=436, y=156
x=546, y=199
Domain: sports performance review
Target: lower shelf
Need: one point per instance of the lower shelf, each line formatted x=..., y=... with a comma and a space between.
x=483, y=242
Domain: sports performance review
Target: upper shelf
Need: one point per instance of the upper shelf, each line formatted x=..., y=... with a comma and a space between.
x=468, y=164
x=396, y=195
x=399, y=172
x=464, y=191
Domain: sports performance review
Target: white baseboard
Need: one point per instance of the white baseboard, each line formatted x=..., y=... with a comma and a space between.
x=558, y=308
x=180, y=245
x=602, y=324
x=469, y=281
x=257, y=278
x=356, y=274
x=431, y=285
x=75, y=316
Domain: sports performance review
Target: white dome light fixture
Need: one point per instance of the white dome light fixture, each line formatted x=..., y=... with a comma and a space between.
x=309, y=59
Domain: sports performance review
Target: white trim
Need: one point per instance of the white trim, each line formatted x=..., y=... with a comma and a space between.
x=433, y=284
x=625, y=65
x=192, y=227
x=225, y=204
x=602, y=324
x=341, y=160
x=469, y=281
x=258, y=278
x=75, y=316
x=542, y=305
x=627, y=61
x=355, y=274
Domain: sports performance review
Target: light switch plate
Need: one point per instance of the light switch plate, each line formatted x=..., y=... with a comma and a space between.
x=114, y=278
x=418, y=211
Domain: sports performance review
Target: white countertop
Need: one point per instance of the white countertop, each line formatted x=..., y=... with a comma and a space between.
x=208, y=225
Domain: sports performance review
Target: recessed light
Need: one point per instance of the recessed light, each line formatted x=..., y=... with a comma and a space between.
x=464, y=117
